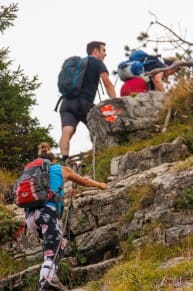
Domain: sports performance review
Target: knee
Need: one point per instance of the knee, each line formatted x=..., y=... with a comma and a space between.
x=67, y=132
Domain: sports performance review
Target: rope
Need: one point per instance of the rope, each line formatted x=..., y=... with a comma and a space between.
x=60, y=242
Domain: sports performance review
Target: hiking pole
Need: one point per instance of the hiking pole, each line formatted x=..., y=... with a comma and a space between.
x=99, y=95
x=75, y=169
x=71, y=206
x=101, y=84
x=94, y=156
x=168, y=116
x=116, y=80
x=69, y=217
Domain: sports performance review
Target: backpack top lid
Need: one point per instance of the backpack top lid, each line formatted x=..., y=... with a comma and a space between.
x=32, y=189
x=39, y=162
x=150, y=62
x=138, y=55
x=141, y=56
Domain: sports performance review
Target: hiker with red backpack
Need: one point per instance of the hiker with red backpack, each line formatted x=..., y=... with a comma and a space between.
x=78, y=85
x=132, y=73
x=44, y=219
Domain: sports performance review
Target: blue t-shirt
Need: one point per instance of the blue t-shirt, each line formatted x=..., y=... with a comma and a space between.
x=56, y=182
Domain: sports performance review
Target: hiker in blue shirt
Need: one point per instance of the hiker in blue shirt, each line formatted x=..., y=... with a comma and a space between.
x=74, y=110
x=45, y=220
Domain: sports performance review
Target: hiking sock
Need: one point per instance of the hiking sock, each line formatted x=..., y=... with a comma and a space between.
x=55, y=284
x=64, y=157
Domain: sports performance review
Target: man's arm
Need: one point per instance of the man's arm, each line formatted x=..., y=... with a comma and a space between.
x=108, y=85
x=158, y=82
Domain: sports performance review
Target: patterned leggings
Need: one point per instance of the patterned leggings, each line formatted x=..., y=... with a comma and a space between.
x=44, y=221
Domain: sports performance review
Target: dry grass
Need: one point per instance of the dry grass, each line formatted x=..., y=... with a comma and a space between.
x=7, y=180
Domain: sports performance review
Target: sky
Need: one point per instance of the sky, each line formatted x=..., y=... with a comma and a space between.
x=46, y=32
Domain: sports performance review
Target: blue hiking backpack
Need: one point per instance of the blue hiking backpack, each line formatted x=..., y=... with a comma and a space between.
x=136, y=65
x=71, y=77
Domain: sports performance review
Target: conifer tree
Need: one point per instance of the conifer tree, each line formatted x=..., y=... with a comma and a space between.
x=19, y=132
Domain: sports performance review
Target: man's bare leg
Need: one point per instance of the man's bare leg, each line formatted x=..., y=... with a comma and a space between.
x=67, y=133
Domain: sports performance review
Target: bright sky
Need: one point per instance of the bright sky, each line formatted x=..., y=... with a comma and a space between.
x=48, y=31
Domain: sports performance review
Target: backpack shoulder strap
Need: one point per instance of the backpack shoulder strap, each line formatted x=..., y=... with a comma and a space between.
x=45, y=165
x=58, y=102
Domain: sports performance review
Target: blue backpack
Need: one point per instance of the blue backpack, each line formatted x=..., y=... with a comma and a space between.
x=136, y=65
x=71, y=77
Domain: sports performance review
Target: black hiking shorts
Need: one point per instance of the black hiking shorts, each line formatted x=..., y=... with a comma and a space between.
x=72, y=111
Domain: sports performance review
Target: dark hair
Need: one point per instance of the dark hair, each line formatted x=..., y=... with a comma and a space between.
x=92, y=45
x=49, y=156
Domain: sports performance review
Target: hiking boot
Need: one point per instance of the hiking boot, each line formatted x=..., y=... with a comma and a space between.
x=53, y=284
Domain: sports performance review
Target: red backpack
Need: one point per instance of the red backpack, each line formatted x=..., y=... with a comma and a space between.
x=32, y=190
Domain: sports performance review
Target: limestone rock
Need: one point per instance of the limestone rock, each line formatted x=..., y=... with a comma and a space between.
x=149, y=157
x=124, y=119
